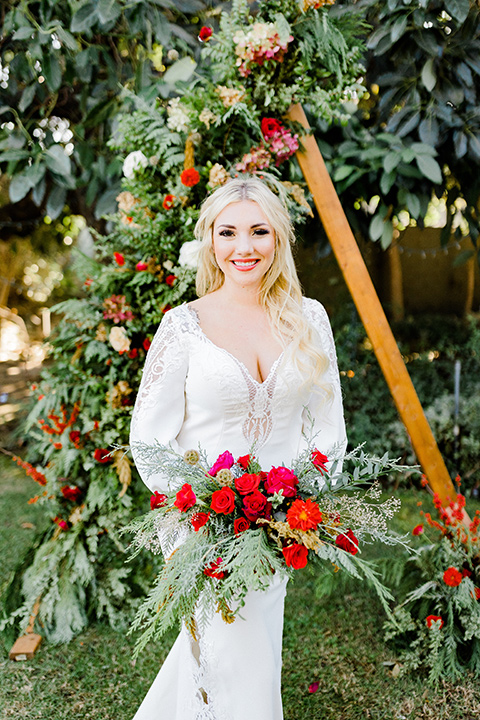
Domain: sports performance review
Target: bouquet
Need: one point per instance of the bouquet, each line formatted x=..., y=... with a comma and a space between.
x=226, y=530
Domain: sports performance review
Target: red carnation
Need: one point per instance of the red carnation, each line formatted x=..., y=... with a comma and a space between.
x=190, y=177
x=281, y=479
x=319, y=460
x=270, y=127
x=255, y=505
x=246, y=484
x=213, y=571
x=71, y=492
x=452, y=577
x=225, y=460
x=205, y=34
x=157, y=500
x=223, y=501
x=199, y=520
x=244, y=461
x=146, y=344
x=119, y=259
x=295, y=555
x=304, y=515
x=168, y=202
x=185, y=498
x=417, y=530
x=102, y=455
x=141, y=266
x=430, y=619
x=170, y=280
x=348, y=542
x=240, y=525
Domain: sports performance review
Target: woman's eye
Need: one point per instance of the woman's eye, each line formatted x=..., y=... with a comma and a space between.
x=261, y=231
x=226, y=233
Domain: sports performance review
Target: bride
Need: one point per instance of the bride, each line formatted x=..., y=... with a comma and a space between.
x=250, y=361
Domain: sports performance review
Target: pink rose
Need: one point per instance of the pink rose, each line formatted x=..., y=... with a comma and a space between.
x=281, y=479
x=225, y=460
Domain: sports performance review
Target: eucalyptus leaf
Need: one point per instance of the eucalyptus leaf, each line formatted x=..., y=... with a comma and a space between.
x=430, y=168
x=375, y=229
x=391, y=160
x=19, y=187
x=27, y=97
x=429, y=77
x=57, y=160
x=56, y=201
x=84, y=18
x=459, y=9
x=387, y=234
x=398, y=28
x=413, y=205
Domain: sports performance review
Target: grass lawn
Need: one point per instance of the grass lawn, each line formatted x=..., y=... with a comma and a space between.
x=335, y=641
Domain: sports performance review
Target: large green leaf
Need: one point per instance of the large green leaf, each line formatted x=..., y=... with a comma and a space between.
x=430, y=168
x=84, y=18
x=52, y=71
x=19, y=187
x=108, y=10
x=376, y=227
x=429, y=77
x=391, y=160
x=459, y=9
x=56, y=201
x=57, y=161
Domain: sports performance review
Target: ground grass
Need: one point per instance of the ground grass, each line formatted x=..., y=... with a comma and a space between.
x=336, y=641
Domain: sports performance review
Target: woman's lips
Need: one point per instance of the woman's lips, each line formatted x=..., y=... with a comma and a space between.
x=244, y=265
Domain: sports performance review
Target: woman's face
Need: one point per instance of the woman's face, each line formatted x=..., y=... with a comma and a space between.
x=243, y=243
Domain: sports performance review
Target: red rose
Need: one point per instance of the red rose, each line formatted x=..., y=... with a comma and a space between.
x=132, y=354
x=141, y=266
x=466, y=572
x=199, y=520
x=247, y=483
x=417, y=530
x=348, y=542
x=170, y=280
x=255, y=505
x=71, y=492
x=185, y=498
x=295, y=555
x=157, y=500
x=213, y=571
x=168, y=202
x=146, y=344
x=270, y=126
x=119, y=259
x=319, y=460
x=101, y=455
x=223, y=501
x=433, y=618
x=240, y=525
x=452, y=577
x=225, y=460
x=283, y=479
x=244, y=461
x=304, y=515
x=205, y=34
x=190, y=177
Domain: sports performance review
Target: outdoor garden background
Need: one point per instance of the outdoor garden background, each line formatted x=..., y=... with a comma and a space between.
x=116, y=119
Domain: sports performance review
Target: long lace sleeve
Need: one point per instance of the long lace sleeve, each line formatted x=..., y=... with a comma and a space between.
x=327, y=416
x=160, y=406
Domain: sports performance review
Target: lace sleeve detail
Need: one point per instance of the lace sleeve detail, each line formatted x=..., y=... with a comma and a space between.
x=160, y=405
x=327, y=416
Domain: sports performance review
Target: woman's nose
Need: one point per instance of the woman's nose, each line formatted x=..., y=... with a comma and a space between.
x=244, y=243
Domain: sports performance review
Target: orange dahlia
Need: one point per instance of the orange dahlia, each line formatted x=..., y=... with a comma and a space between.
x=304, y=515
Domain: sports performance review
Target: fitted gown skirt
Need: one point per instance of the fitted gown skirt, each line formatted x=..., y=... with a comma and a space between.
x=232, y=673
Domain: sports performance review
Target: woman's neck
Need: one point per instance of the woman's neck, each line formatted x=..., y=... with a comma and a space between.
x=238, y=296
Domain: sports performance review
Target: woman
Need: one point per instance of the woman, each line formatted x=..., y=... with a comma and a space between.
x=249, y=362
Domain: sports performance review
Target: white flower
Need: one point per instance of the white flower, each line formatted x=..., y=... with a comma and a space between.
x=134, y=161
x=178, y=119
x=189, y=254
x=119, y=339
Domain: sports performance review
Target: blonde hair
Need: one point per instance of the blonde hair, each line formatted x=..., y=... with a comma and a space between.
x=280, y=292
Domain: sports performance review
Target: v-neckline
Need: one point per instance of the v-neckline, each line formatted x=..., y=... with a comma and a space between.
x=241, y=364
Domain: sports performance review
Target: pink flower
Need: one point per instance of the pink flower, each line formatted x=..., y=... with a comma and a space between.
x=225, y=460
x=119, y=259
x=141, y=266
x=417, y=530
x=313, y=687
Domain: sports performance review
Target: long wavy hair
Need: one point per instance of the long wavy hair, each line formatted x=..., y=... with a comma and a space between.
x=280, y=292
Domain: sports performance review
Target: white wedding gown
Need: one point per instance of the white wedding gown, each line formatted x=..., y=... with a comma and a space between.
x=194, y=392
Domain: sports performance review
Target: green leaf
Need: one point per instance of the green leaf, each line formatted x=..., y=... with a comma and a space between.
x=100, y=112
x=387, y=234
x=38, y=192
x=423, y=149
x=23, y=33
x=376, y=228
x=66, y=38
x=27, y=97
x=83, y=19
x=57, y=161
x=52, y=71
x=413, y=205
x=391, y=160
x=108, y=10
x=342, y=172
x=458, y=9
x=429, y=77
x=386, y=182
x=180, y=71
x=430, y=168
x=14, y=154
x=428, y=130
x=460, y=143
x=408, y=155
x=56, y=201
x=398, y=28
x=19, y=187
